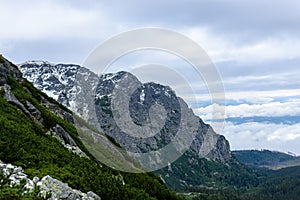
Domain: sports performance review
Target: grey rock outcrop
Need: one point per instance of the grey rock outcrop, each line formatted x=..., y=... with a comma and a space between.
x=33, y=111
x=60, y=190
x=47, y=185
x=8, y=69
x=64, y=135
x=10, y=97
x=57, y=110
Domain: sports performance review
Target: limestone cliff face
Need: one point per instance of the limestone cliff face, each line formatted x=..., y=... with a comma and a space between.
x=207, y=143
x=59, y=81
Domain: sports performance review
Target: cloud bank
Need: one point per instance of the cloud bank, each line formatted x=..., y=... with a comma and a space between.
x=254, y=44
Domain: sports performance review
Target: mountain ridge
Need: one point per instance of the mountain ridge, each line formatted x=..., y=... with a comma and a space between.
x=65, y=92
x=207, y=144
x=267, y=159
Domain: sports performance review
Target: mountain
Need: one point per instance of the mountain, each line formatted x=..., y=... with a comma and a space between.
x=62, y=83
x=267, y=159
x=59, y=81
x=38, y=138
x=43, y=138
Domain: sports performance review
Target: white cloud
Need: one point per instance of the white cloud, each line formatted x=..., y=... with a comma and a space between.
x=223, y=49
x=250, y=103
x=32, y=20
x=272, y=109
x=248, y=95
x=50, y=19
x=255, y=135
x=253, y=96
x=270, y=49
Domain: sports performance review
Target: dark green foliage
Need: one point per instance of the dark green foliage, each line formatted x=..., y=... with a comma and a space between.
x=272, y=185
x=153, y=184
x=202, y=193
x=200, y=171
x=281, y=184
x=2, y=93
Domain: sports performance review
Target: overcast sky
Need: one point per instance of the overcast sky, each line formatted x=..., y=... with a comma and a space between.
x=255, y=45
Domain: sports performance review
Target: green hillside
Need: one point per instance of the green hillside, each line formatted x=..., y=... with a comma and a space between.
x=280, y=184
x=203, y=172
x=24, y=142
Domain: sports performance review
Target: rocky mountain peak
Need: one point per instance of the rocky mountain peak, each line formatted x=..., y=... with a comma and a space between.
x=59, y=82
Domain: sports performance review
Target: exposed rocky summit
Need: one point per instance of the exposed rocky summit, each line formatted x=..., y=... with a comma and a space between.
x=142, y=107
x=62, y=83
x=56, y=81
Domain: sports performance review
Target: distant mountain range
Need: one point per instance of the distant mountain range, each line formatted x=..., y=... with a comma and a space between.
x=267, y=159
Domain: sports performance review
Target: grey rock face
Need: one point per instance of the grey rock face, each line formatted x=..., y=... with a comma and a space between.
x=207, y=143
x=66, y=140
x=60, y=190
x=33, y=111
x=58, y=111
x=139, y=113
x=7, y=68
x=3, y=74
x=64, y=135
x=10, y=97
x=56, y=81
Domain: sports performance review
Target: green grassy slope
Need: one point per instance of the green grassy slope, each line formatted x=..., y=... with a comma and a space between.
x=24, y=143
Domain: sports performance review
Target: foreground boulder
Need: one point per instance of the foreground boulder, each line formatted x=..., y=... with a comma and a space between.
x=49, y=188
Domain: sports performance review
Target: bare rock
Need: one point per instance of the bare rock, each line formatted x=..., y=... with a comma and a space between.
x=64, y=135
